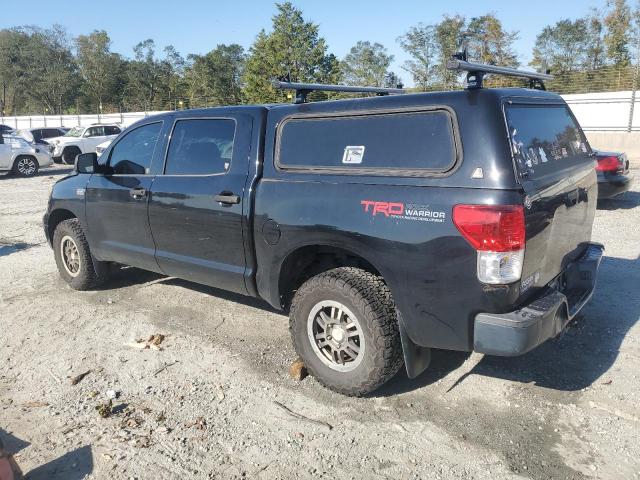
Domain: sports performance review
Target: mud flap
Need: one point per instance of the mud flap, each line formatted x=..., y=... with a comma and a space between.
x=416, y=358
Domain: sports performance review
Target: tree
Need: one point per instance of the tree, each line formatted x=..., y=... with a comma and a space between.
x=47, y=67
x=616, y=39
x=449, y=37
x=173, y=71
x=595, y=40
x=420, y=42
x=143, y=77
x=13, y=92
x=366, y=64
x=293, y=48
x=216, y=77
x=99, y=67
x=489, y=43
x=562, y=47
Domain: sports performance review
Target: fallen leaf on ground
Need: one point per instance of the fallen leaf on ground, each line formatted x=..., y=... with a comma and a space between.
x=153, y=342
x=297, y=370
x=132, y=422
x=105, y=409
x=78, y=378
x=200, y=423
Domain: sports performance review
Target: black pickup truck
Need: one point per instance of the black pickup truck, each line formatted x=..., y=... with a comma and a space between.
x=385, y=226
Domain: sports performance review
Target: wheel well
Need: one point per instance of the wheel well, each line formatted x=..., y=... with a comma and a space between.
x=306, y=262
x=55, y=218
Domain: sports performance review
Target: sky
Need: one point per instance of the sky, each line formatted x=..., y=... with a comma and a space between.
x=197, y=26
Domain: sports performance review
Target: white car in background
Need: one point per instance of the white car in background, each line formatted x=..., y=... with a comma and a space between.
x=81, y=140
x=21, y=157
x=102, y=147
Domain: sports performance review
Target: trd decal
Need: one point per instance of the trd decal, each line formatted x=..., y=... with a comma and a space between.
x=385, y=208
x=403, y=211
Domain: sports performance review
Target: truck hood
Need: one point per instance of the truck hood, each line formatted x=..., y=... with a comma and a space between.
x=62, y=140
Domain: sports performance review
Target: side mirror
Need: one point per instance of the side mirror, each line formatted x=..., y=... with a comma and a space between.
x=86, y=163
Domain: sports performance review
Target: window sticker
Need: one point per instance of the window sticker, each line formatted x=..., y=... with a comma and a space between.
x=353, y=154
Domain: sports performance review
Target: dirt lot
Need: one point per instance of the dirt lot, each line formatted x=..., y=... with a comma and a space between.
x=569, y=409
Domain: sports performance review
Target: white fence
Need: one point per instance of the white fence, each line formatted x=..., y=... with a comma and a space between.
x=37, y=121
x=608, y=111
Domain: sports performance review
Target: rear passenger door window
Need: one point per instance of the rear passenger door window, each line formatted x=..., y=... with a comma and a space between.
x=419, y=142
x=133, y=153
x=200, y=147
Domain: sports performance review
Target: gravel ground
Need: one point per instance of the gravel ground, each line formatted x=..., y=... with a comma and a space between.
x=569, y=409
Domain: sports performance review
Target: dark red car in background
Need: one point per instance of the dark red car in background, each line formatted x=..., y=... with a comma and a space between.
x=613, y=174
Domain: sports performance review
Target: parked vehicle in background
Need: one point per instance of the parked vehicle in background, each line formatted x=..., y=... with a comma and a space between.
x=21, y=157
x=362, y=218
x=41, y=135
x=81, y=140
x=5, y=129
x=613, y=174
x=102, y=147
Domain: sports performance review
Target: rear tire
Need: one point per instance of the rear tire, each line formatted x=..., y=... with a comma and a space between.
x=344, y=326
x=75, y=263
x=25, y=166
x=69, y=155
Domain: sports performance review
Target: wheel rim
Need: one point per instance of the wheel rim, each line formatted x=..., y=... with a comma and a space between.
x=70, y=256
x=336, y=336
x=26, y=166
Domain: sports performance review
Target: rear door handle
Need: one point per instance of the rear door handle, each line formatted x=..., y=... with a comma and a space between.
x=228, y=198
x=138, y=193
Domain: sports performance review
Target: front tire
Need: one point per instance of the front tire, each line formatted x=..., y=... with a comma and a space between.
x=73, y=257
x=69, y=155
x=25, y=166
x=344, y=326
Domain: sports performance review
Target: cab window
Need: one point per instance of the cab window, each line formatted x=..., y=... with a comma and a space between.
x=94, y=132
x=200, y=147
x=133, y=153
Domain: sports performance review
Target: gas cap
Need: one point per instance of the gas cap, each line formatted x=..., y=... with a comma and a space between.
x=271, y=232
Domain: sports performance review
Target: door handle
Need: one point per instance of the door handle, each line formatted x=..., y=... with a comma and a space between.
x=138, y=193
x=228, y=198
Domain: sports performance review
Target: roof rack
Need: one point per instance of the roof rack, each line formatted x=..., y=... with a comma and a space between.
x=477, y=71
x=303, y=89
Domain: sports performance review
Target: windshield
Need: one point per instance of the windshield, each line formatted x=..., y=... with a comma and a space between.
x=74, y=132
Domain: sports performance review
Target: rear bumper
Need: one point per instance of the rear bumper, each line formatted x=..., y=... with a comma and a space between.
x=517, y=332
x=610, y=186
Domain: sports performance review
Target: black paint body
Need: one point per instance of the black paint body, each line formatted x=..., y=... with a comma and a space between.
x=178, y=229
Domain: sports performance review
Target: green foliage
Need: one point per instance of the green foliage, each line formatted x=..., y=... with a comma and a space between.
x=562, y=47
x=449, y=36
x=420, y=42
x=44, y=71
x=99, y=67
x=489, y=43
x=216, y=77
x=616, y=40
x=293, y=47
x=366, y=64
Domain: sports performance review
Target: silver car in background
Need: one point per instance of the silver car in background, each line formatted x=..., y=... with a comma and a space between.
x=21, y=157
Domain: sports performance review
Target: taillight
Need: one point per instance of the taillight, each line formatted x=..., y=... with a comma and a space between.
x=608, y=164
x=497, y=232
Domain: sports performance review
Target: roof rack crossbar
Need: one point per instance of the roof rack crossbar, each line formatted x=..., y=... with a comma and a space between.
x=303, y=89
x=477, y=71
